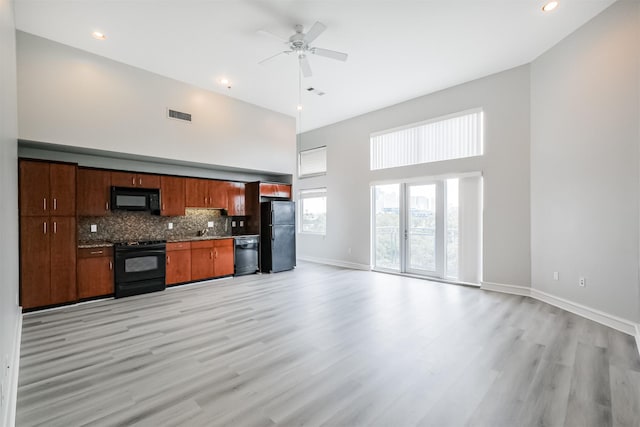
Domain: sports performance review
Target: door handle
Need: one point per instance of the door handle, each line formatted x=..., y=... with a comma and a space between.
x=55, y=227
x=273, y=235
x=44, y=204
x=45, y=227
x=110, y=265
x=55, y=204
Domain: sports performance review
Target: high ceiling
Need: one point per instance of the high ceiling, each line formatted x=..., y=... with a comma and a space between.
x=398, y=49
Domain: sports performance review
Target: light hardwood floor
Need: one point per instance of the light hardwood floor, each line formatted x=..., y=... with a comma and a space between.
x=324, y=346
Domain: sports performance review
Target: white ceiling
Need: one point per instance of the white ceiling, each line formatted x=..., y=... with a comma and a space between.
x=398, y=49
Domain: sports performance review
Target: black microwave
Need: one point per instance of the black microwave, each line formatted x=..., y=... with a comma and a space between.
x=135, y=199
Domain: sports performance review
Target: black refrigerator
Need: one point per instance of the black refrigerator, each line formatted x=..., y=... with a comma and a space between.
x=277, y=236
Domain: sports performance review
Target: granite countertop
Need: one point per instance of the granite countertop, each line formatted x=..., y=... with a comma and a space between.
x=87, y=245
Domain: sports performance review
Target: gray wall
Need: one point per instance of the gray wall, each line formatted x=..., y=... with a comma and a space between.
x=505, y=167
x=584, y=164
x=9, y=311
x=71, y=97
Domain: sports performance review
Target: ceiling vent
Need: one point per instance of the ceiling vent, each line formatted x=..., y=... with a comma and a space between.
x=178, y=115
x=316, y=91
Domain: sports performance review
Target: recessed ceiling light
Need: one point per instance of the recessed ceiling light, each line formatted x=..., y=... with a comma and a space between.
x=299, y=107
x=550, y=6
x=224, y=81
x=98, y=35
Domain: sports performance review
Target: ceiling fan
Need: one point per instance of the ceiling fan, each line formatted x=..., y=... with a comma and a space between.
x=299, y=45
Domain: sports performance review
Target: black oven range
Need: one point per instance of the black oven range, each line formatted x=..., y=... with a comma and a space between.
x=139, y=267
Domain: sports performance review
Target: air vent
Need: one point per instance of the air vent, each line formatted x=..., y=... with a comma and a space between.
x=316, y=91
x=179, y=115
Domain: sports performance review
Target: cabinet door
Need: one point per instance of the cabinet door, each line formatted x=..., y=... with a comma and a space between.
x=235, y=196
x=178, y=267
x=223, y=257
x=284, y=190
x=63, y=189
x=145, y=180
x=201, y=264
x=94, y=190
x=218, y=194
x=124, y=179
x=35, y=262
x=197, y=193
x=63, y=259
x=34, y=188
x=95, y=277
x=172, y=193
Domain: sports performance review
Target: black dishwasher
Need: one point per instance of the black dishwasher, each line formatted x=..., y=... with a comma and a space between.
x=246, y=254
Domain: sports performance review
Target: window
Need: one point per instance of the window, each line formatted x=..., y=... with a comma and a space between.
x=312, y=162
x=451, y=137
x=313, y=211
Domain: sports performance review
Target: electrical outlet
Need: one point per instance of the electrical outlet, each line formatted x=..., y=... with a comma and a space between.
x=233, y=223
x=170, y=226
x=556, y=276
x=241, y=223
x=210, y=224
x=582, y=282
x=94, y=228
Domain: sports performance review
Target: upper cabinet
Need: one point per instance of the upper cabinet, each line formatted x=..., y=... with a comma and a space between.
x=94, y=190
x=235, y=198
x=206, y=193
x=173, y=195
x=275, y=190
x=131, y=179
x=47, y=189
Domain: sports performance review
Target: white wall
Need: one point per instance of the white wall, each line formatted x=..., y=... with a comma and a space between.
x=9, y=310
x=584, y=164
x=71, y=97
x=505, y=167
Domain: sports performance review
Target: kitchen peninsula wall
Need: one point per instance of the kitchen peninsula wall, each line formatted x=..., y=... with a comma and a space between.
x=136, y=226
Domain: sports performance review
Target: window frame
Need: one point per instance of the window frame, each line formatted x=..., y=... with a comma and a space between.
x=312, y=193
x=310, y=150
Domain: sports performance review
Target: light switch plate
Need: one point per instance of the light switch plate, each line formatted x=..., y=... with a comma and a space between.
x=241, y=223
x=170, y=226
x=210, y=224
x=94, y=228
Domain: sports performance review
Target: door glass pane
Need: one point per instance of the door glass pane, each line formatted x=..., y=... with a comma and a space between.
x=140, y=264
x=452, y=227
x=387, y=226
x=421, y=227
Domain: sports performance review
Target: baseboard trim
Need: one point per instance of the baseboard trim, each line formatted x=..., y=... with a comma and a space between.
x=524, y=291
x=615, y=322
x=12, y=393
x=335, y=262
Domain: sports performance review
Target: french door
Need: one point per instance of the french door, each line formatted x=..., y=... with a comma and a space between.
x=415, y=228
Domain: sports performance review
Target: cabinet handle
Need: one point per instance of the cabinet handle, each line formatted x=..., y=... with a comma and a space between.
x=55, y=204
x=110, y=265
x=133, y=181
x=210, y=255
x=55, y=227
x=163, y=207
x=140, y=181
x=96, y=252
x=168, y=259
x=106, y=206
x=215, y=251
x=45, y=227
x=44, y=204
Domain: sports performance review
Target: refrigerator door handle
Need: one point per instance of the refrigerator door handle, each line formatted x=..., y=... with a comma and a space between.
x=273, y=236
x=271, y=217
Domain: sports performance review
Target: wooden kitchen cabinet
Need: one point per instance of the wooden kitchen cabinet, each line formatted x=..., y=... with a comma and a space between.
x=218, y=194
x=223, y=264
x=201, y=263
x=94, y=192
x=47, y=261
x=132, y=179
x=172, y=194
x=197, y=193
x=47, y=188
x=95, y=272
x=275, y=190
x=235, y=198
x=179, y=263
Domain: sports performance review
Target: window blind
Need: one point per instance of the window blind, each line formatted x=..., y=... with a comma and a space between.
x=312, y=162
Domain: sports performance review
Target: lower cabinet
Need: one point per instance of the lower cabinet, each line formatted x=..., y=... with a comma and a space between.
x=95, y=272
x=211, y=258
x=178, y=263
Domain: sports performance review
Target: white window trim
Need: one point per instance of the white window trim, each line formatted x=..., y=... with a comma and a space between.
x=309, y=175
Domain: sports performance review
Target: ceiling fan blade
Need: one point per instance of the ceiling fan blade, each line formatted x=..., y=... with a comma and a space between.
x=329, y=53
x=273, y=36
x=313, y=33
x=273, y=56
x=305, y=67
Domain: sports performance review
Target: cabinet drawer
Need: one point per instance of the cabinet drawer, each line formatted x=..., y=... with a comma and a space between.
x=95, y=252
x=222, y=243
x=202, y=244
x=177, y=246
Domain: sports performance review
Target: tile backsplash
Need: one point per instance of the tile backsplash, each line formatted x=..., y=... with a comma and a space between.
x=134, y=226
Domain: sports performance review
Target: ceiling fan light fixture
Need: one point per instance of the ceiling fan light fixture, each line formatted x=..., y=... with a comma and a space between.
x=551, y=5
x=98, y=35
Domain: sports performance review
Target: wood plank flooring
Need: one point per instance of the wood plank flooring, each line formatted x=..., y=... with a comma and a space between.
x=324, y=346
